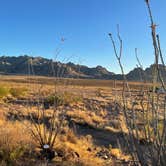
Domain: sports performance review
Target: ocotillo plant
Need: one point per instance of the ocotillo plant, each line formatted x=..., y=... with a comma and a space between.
x=146, y=142
x=46, y=123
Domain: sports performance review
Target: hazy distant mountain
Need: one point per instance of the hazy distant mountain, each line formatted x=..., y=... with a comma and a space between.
x=47, y=67
x=138, y=74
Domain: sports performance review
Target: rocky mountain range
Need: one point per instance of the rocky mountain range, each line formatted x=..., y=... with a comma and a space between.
x=23, y=65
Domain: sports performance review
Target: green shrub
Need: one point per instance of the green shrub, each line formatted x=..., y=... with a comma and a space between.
x=3, y=91
x=70, y=98
x=10, y=156
x=55, y=99
x=17, y=92
x=63, y=99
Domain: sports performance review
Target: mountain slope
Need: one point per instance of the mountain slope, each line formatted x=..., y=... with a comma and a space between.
x=46, y=67
x=138, y=74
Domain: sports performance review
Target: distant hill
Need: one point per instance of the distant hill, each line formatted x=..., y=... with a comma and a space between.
x=138, y=74
x=47, y=67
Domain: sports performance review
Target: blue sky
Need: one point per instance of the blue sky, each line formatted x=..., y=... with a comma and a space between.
x=35, y=27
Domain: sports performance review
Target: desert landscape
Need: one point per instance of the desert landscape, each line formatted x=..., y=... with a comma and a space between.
x=62, y=113
x=87, y=121
x=91, y=124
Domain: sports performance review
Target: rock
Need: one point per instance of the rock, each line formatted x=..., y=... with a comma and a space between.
x=104, y=154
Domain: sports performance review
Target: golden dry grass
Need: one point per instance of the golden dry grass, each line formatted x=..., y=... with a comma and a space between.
x=94, y=114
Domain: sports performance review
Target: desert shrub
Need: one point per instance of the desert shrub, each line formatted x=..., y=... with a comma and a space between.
x=72, y=98
x=99, y=92
x=55, y=99
x=63, y=99
x=3, y=91
x=17, y=92
x=11, y=154
x=13, y=143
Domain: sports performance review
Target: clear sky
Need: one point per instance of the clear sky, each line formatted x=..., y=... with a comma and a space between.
x=35, y=27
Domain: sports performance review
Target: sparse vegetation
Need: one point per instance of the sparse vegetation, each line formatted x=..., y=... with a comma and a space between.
x=18, y=92
x=4, y=91
x=74, y=143
x=65, y=98
x=15, y=144
x=145, y=127
x=83, y=122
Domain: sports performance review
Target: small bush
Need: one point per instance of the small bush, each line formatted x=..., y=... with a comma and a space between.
x=18, y=92
x=70, y=98
x=10, y=155
x=3, y=92
x=12, y=145
x=63, y=99
x=55, y=99
x=99, y=92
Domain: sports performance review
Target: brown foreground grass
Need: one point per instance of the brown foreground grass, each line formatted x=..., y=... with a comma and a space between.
x=91, y=140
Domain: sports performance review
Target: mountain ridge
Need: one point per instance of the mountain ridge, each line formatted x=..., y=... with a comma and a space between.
x=47, y=67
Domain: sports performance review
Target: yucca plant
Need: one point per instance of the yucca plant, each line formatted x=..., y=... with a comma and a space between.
x=48, y=116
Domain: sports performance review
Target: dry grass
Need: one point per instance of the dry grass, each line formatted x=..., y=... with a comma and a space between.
x=72, y=144
x=87, y=117
x=84, y=107
x=14, y=143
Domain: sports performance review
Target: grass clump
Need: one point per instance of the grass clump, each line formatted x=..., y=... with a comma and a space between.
x=17, y=92
x=4, y=91
x=10, y=155
x=63, y=99
x=117, y=153
x=55, y=99
x=14, y=143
